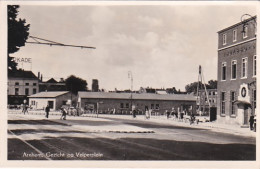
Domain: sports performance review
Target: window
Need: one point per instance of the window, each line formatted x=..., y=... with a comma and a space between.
x=254, y=66
x=233, y=69
x=209, y=93
x=50, y=103
x=157, y=106
x=34, y=91
x=224, y=67
x=152, y=106
x=16, y=91
x=26, y=91
x=34, y=84
x=244, y=68
x=245, y=32
x=213, y=100
x=224, y=39
x=232, y=100
x=121, y=105
x=254, y=99
x=26, y=84
x=223, y=102
x=127, y=105
x=32, y=102
x=213, y=93
x=16, y=83
x=234, y=35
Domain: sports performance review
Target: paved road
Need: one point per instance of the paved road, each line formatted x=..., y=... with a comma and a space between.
x=35, y=138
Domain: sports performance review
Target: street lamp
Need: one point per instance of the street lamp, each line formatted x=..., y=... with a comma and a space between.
x=98, y=107
x=245, y=21
x=130, y=75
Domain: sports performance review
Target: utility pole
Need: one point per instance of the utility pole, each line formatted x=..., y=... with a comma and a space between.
x=202, y=81
x=130, y=75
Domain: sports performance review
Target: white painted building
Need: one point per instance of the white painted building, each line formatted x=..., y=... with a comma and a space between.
x=55, y=99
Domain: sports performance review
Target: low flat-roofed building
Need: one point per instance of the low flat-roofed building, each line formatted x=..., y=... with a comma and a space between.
x=121, y=102
x=55, y=99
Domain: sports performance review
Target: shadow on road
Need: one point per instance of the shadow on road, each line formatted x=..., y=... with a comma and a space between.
x=135, y=149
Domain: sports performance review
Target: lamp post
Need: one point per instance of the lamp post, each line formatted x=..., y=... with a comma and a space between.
x=245, y=21
x=130, y=75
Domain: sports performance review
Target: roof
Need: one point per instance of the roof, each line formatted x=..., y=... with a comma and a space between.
x=239, y=23
x=137, y=96
x=48, y=94
x=21, y=74
x=51, y=81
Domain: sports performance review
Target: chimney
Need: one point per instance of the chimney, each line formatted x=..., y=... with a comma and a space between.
x=41, y=77
x=38, y=75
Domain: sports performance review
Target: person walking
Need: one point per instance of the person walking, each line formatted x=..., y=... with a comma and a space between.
x=168, y=114
x=63, y=113
x=251, y=121
x=47, y=110
x=25, y=109
x=147, y=114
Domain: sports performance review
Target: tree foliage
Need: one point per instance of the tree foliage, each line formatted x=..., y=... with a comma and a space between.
x=192, y=87
x=18, y=32
x=75, y=84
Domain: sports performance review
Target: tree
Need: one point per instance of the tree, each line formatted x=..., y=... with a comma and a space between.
x=18, y=33
x=192, y=87
x=213, y=84
x=75, y=84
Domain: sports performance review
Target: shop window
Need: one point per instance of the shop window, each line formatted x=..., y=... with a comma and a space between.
x=233, y=69
x=157, y=106
x=223, y=103
x=224, y=68
x=127, y=105
x=244, y=68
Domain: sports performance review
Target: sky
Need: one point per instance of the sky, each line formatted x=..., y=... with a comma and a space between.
x=162, y=45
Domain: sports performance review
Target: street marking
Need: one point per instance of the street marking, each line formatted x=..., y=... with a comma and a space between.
x=34, y=148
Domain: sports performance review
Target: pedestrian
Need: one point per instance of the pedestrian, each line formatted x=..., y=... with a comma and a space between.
x=147, y=114
x=192, y=118
x=168, y=114
x=47, y=110
x=63, y=113
x=179, y=114
x=251, y=121
x=25, y=109
x=182, y=115
x=134, y=113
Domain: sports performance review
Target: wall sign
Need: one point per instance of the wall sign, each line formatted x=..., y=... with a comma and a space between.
x=243, y=92
x=24, y=60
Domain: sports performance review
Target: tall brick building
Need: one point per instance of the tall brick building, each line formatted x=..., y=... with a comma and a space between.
x=237, y=73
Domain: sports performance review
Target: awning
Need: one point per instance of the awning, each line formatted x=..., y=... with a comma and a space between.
x=244, y=103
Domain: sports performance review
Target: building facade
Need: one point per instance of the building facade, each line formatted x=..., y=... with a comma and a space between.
x=122, y=103
x=204, y=104
x=21, y=84
x=237, y=73
x=54, y=99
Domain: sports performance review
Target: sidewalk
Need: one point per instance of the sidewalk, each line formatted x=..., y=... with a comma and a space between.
x=213, y=126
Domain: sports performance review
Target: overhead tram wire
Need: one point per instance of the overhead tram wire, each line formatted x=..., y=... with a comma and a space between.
x=52, y=43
